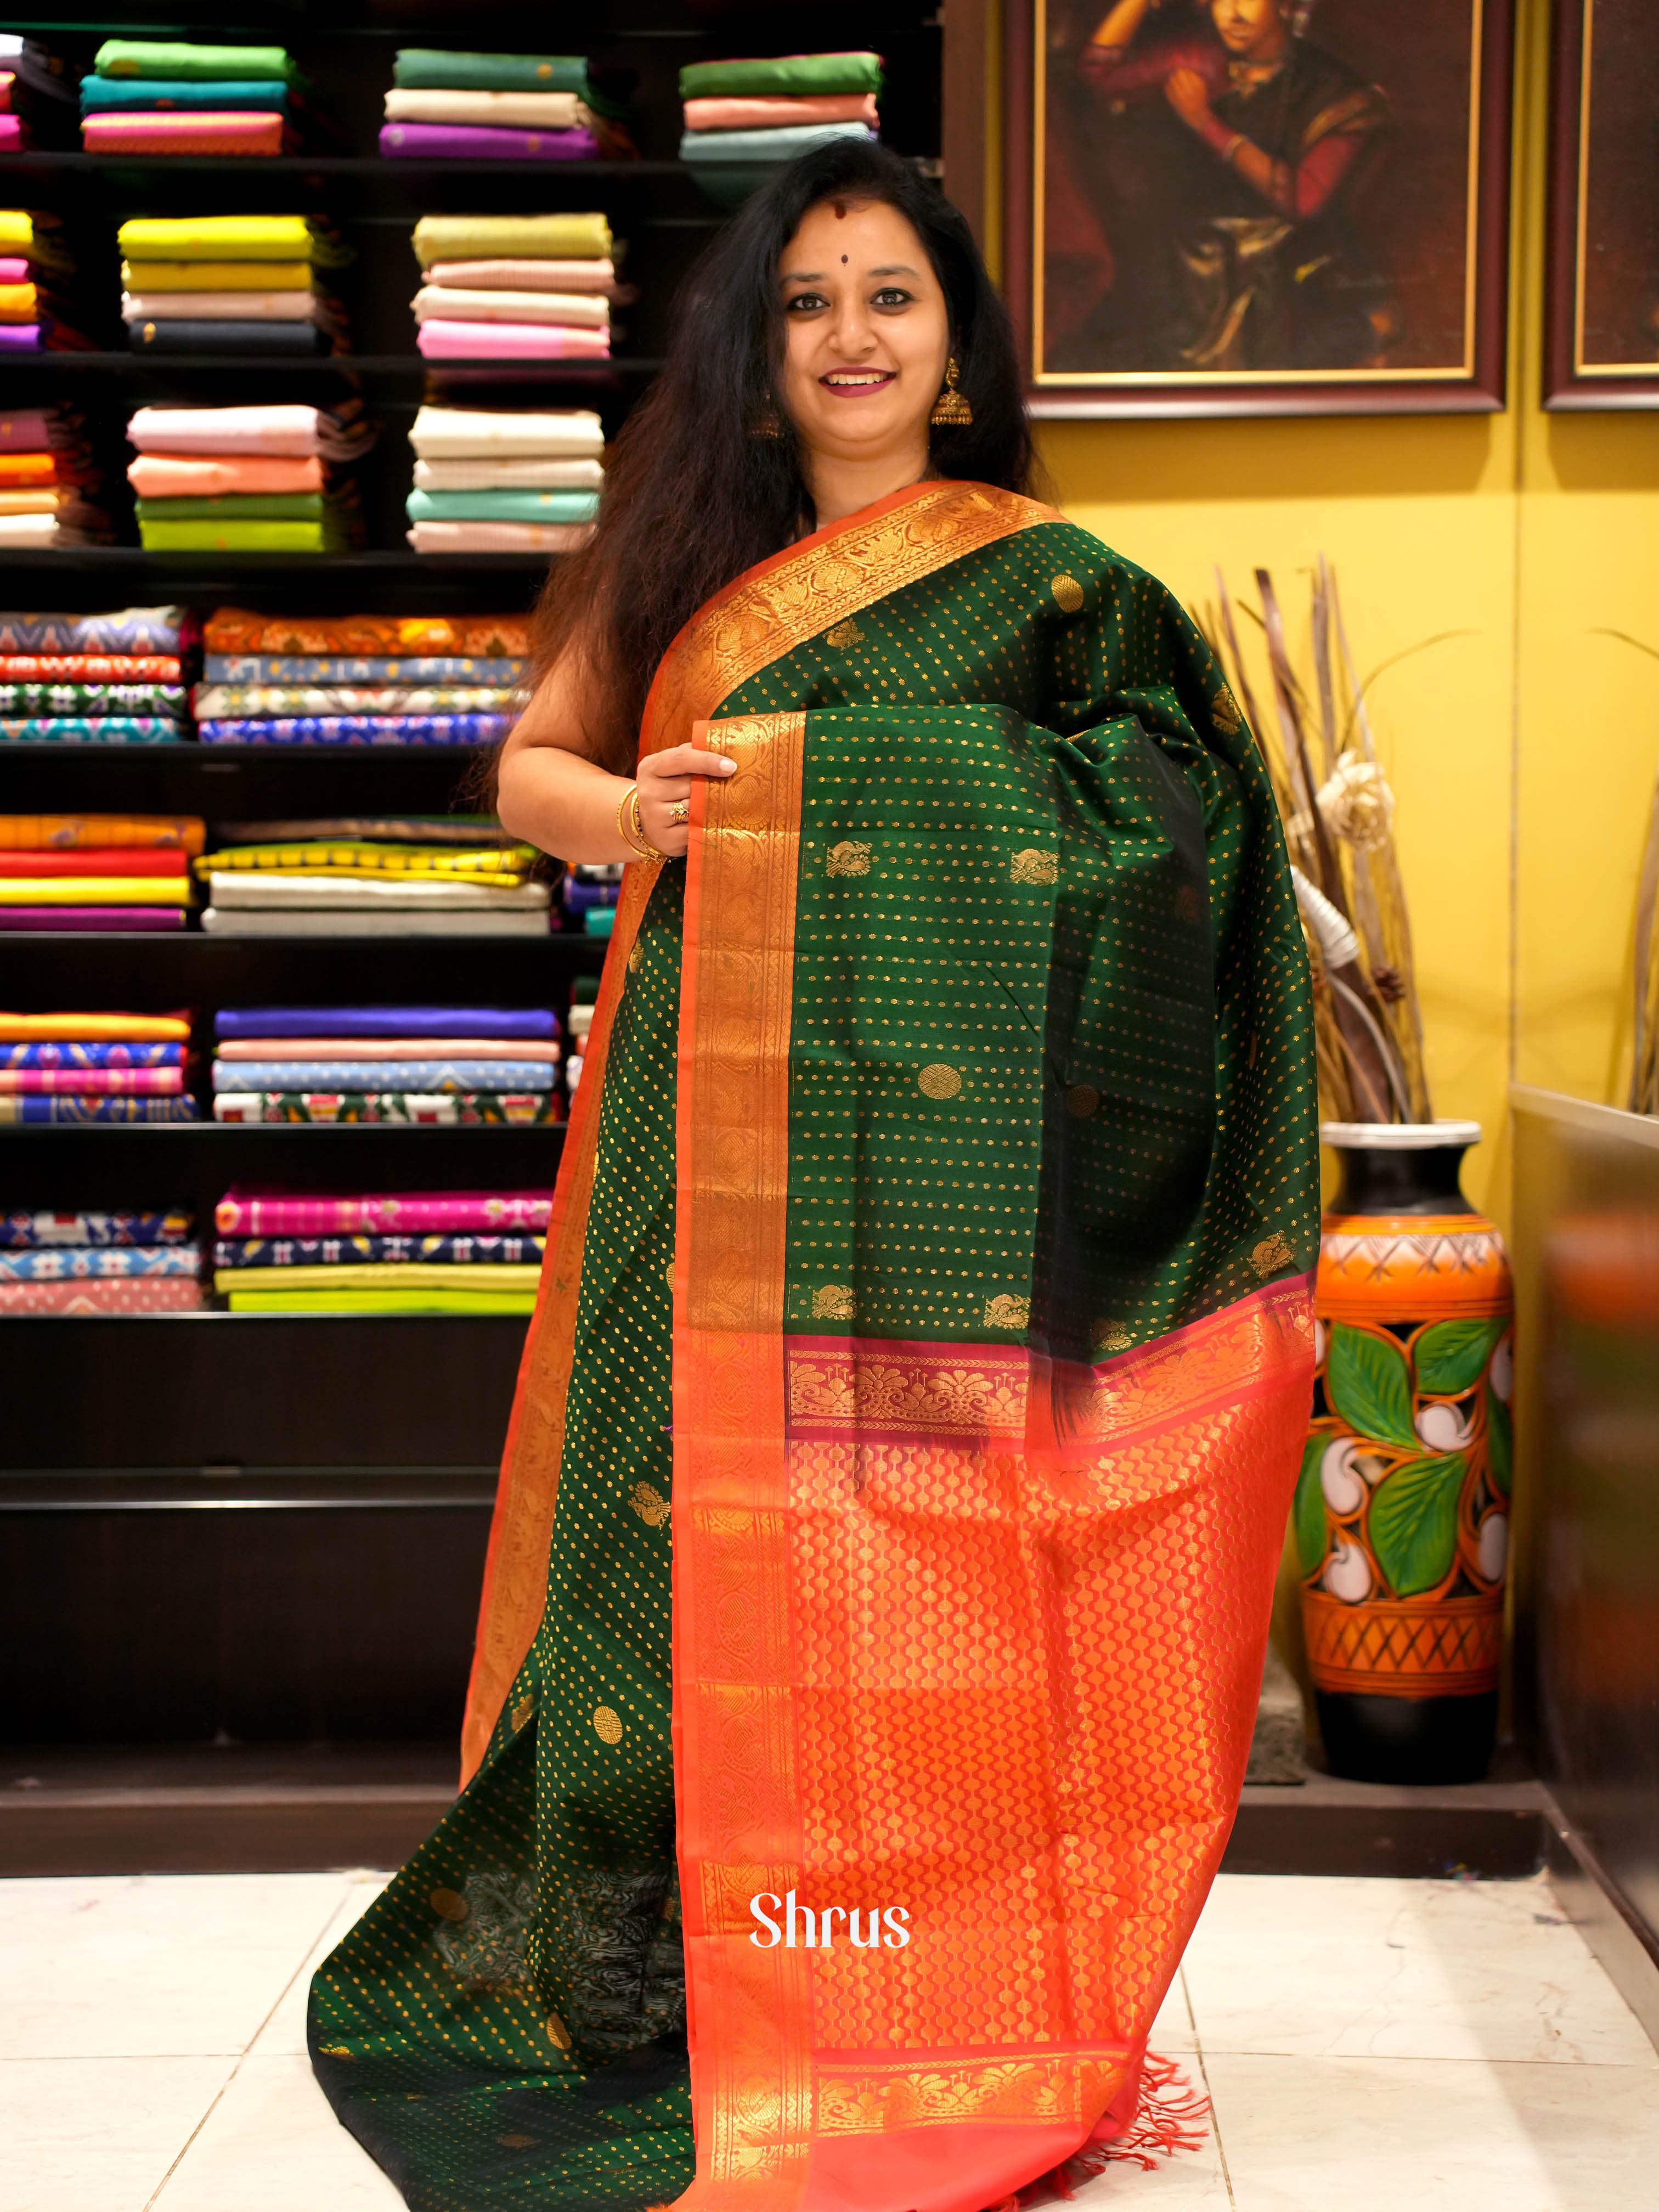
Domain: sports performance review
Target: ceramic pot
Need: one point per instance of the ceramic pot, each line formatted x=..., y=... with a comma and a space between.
x=1402, y=1506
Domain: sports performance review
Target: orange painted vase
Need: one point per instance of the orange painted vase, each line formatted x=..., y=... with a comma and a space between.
x=1401, y=1513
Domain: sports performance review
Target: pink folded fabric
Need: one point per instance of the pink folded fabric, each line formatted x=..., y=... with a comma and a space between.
x=460, y=142
x=252, y=131
x=586, y=311
x=493, y=538
x=26, y=430
x=450, y=341
x=14, y=270
x=116, y=1294
x=778, y=113
x=234, y=1048
x=524, y=276
x=170, y=476
x=14, y=139
x=99, y=1082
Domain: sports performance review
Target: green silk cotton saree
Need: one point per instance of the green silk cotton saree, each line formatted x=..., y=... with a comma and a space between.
x=881, y=1569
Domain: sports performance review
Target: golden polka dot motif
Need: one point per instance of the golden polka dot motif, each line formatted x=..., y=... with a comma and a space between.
x=447, y=1904
x=1068, y=593
x=607, y=1724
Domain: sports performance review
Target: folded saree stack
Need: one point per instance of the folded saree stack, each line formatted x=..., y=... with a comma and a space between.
x=413, y=879
x=361, y=680
x=748, y=111
x=276, y=479
x=503, y=108
x=98, y=1261
x=93, y=1067
x=505, y=288
x=36, y=102
x=37, y=271
x=426, y=1251
x=154, y=96
x=109, y=679
x=590, y=891
x=229, y=283
x=494, y=480
x=443, y=1065
x=50, y=482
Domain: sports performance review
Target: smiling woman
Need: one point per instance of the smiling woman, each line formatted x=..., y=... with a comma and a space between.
x=890, y=1512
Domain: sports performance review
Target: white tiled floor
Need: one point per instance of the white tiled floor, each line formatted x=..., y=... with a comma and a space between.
x=1378, y=2047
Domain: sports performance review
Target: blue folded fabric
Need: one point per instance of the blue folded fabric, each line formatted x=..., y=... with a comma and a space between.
x=142, y=94
x=17, y=1106
x=102, y=1263
x=307, y=669
x=538, y=1022
x=502, y=505
x=356, y=730
x=781, y=145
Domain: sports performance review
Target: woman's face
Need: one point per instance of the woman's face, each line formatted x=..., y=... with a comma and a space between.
x=866, y=334
x=1253, y=29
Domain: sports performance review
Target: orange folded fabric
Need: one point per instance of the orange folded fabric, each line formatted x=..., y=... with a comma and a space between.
x=91, y=1029
x=475, y=637
x=27, y=471
x=777, y=112
x=19, y=303
x=179, y=476
x=169, y=131
x=71, y=833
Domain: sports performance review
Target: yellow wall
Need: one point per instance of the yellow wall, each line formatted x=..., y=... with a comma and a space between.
x=1523, y=754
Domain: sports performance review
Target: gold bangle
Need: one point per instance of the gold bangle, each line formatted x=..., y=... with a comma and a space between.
x=631, y=829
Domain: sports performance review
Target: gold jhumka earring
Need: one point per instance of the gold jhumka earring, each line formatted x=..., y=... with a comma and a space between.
x=952, y=407
x=766, y=423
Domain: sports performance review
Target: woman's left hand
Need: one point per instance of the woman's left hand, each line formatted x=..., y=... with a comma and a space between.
x=664, y=784
x=1187, y=93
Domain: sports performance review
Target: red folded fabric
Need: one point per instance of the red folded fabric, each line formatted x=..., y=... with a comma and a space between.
x=88, y=668
x=93, y=860
x=116, y=1294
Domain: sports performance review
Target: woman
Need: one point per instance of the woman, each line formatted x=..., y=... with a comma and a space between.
x=1257, y=146
x=948, y=1111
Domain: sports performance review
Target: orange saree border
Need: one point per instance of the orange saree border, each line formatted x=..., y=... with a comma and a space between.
x=762, y=614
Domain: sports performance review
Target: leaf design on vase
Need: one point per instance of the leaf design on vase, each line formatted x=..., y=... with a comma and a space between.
x=1451, y=1356
x=1308, y=1513
x=1412, y=1522
x=1500, y=1443
x=1367, y=1381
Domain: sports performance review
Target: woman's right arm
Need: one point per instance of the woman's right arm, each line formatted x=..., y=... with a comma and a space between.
x=553, y=794
x=1118, y=25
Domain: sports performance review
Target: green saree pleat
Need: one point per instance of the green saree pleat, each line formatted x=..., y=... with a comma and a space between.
x=545, y=1906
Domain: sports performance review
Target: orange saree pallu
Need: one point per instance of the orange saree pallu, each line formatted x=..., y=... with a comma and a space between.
x=950, y=1110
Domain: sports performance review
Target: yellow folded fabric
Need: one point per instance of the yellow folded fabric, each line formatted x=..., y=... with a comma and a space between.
x=88, y=1028
x=380, y=1275
x=16, y=230
x=364, y=856
x=94, y=890
x=383, y=1302
x=19, y=303
x=30, y=502
x=216, y=238
x=217, y=275
x=508, y=237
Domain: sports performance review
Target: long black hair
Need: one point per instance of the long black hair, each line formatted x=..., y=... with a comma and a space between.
x=693, y=497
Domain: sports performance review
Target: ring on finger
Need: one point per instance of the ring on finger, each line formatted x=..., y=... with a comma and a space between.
x=680, y=810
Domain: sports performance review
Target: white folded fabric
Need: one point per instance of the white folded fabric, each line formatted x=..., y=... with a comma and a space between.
x=289, y=431
x=516, y=111
x=509, y=476
x=499, y=537
x=221, y=308
x=527, y=275
x=579, y=310
x=462, y=434
x=264, y=887
x=28, y=529
x=300, y=921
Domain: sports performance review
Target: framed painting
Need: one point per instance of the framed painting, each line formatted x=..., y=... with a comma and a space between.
x=1602, y=291
x=1248, y=207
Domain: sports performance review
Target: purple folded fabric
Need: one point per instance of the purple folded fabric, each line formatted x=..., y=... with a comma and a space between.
x=473, y=142
x=236, y=1022
x=91, y=917
x=19, y=338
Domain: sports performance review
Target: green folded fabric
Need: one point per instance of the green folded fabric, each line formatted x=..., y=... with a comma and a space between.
x=237, y=538
x=730, y=146
x=505, y=506
x=788, y=73
x=426, y=69
x=236, y=507
x=383, y=1302
x=161, y=58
